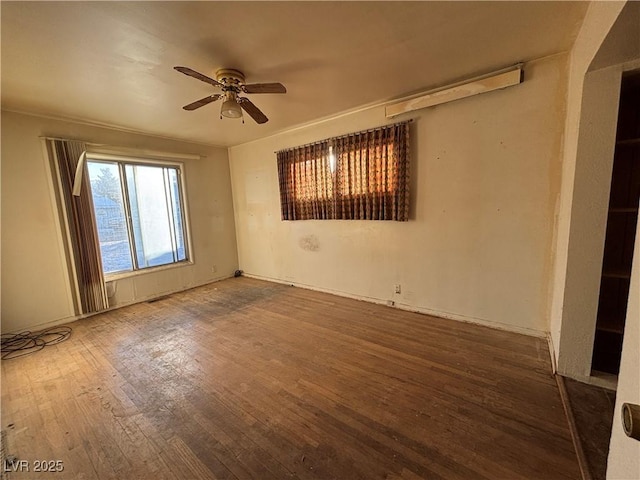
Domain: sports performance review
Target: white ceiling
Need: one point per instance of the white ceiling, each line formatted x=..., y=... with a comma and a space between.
x=112, y=62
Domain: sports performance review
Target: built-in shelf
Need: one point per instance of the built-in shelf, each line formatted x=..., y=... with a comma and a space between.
x=617, y=274
x=628, y=141
x=623, y=210
x=610, y=325
x=624, y=195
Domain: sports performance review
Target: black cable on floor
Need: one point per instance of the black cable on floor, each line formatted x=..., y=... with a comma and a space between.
x=16, y=345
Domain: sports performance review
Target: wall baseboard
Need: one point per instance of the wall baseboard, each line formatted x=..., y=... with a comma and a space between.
x=50, y=323
x=474, y=320
x=411, y=308
x=552, y=353
x=74, y=318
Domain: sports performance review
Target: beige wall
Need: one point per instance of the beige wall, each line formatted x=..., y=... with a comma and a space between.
x=598, y=21
x=622, y=44
x=610, y=34
x=486, y=176
x=35, y=282
x=608, y=44
x=590, y=205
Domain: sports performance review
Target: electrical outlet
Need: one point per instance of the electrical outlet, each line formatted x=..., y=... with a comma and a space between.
x=391, y=303
x=214, y=269
x=398, y=289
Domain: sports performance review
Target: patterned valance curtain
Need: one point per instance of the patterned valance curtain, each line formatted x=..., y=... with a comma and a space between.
x=81, y=224
x=361, y=176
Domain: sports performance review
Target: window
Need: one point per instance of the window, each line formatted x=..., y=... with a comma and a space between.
x=361, y=176
x=139, y=213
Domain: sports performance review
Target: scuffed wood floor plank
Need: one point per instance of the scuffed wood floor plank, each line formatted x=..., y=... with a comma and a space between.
x=250, y=379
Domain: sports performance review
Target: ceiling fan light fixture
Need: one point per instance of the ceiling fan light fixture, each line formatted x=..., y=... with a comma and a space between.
x=231, y=109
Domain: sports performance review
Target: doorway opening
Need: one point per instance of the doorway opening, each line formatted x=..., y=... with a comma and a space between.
x=620, y=234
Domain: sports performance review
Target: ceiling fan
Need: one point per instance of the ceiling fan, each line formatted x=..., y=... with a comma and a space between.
x=231, y=82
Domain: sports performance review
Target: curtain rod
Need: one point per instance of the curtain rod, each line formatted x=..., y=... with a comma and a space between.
x=344, y=136
x=114, y=149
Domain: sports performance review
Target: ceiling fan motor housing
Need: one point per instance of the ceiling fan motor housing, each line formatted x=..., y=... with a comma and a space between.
x=230, y=79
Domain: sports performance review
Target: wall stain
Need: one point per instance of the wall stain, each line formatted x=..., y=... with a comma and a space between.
x=309, y=243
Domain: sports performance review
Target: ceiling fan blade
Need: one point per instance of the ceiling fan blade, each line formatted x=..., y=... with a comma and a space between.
x=253, y=111
x=264, y=88
x=202, y=102
x=199, y=76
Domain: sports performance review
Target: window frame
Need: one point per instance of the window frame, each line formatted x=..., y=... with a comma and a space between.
x=122, y=160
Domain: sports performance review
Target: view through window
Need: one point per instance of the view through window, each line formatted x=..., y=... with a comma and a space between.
x=139, y=214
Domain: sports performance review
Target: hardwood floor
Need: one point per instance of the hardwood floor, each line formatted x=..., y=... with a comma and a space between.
x=250, y=379
x=593, y=409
